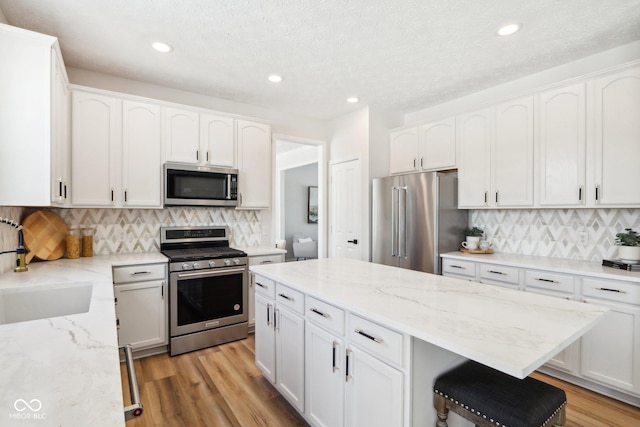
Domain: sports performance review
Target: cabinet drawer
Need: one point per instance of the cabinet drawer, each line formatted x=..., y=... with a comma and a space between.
x=139, y=273
x=628, y=293
x=499, y=273
x=266, y=287
x=287, y=297
x=375, y=339
x=459, y=268
x=265, y=259
x=325, y=315
x=552, y=281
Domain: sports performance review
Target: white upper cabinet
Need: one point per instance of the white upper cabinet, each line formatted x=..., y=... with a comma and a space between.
x=423, y=148
x=438, y=145
x=141, y=155
x=95, y=148
x=617, y=139
x=512, y=154
x=403, y=150
x=254, y=165
x=561, y=146
x=474, y=159
x=181, y=135
x=217, y=140
x=33, y=119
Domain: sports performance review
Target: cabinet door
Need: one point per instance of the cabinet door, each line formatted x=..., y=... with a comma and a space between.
x=324, y=380
x=290, y=356
x=561, y=147
x=374, y=392
x=610, y=349
x=474, y=159
x=403, y=150
x=141, y=155
x=254, y=165
x=60, y=101
x=217, y=140
x=141, y=309
x=181, y=134
x=617, y=136
x=95, y=149
x=438, y=145
x=512, y=154
x=265, y=347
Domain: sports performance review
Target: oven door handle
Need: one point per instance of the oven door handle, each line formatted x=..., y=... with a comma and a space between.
x=209, y=273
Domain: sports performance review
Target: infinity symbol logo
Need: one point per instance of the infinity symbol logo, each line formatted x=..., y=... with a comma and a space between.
x=22, y=405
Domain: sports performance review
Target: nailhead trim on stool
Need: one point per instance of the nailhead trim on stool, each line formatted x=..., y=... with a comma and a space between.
x=499, y=399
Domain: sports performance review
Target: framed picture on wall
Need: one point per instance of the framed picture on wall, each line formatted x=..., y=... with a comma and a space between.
x=312, y=212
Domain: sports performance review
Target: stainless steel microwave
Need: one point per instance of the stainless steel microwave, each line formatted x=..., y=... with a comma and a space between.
x=199, y=185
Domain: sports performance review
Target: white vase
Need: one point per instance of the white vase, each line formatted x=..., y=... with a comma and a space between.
x=629, y=253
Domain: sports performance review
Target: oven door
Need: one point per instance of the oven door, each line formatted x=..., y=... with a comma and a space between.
x=207, y=299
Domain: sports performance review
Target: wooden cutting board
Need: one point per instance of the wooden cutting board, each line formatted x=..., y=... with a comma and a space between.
x=45, y=235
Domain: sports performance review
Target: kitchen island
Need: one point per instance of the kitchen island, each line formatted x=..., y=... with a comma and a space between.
x=64, y=371
x=440, y=321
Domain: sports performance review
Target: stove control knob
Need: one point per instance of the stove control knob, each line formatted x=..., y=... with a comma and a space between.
x=186, y=266
x=196, y=265
x=227, y=262
x=236, y=261
x=212, y=264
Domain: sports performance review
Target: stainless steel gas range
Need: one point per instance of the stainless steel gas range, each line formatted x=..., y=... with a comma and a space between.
x=208, y=287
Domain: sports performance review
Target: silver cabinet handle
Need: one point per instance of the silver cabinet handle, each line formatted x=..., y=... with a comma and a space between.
x=137, y=273
x=497, y=272
x=334, y=366
x=612, y=290
x=261, y=285
x=347, y=376
x=371, y=337
x=135, y=409
x=266, y=261
x=276, y=312
x=458, y=266
x=316, y=311
x=546, y=280
x=268, y=314
x=288, y=298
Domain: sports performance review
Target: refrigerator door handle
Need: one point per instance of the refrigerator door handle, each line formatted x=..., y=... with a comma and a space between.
x=402, y=222
x=394, y=221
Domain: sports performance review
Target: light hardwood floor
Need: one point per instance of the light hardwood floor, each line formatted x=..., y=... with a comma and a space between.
x=221, y=386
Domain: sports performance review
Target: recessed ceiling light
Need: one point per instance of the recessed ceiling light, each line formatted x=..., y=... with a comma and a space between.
x=352, y=100
x=509, y=29
x=162, y=47
x=274, y=78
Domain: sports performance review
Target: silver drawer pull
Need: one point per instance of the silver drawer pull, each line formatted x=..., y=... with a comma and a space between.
x=316, y=311
x=546, y=280
x=288, y=298
x=371, y=337
x=261, y=285
x=135, y=409
x=140, y=272
x=497, y=272
x=266, y=261
x=612, y=290
x=458, y=266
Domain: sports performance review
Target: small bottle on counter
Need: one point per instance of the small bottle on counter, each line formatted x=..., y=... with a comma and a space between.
x=73, y=243
x=87, y=241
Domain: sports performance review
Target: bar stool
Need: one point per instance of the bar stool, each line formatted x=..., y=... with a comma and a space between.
x=491, y=398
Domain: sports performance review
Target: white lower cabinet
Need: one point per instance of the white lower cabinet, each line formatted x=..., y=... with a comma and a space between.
x=258, y=260
x=373, y=391
x=290, y=356
x=265, y=337
x=141, y=305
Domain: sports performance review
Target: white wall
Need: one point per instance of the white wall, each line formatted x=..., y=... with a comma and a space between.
x=281, y=122
x=297, y=182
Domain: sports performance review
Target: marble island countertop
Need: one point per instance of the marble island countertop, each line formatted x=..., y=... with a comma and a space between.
x=66, y=369
x=514, y=332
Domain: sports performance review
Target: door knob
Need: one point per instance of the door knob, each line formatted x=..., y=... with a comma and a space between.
x=354, y=241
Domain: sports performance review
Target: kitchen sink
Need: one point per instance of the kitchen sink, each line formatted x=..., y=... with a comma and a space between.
x=42, y=302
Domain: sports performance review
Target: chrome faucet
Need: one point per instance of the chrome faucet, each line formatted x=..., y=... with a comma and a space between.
x=21, y=262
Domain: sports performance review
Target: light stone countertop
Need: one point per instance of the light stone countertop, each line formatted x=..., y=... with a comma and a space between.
x=69, y=364
x=559, y=265
x=260, y=250
x=514, y=332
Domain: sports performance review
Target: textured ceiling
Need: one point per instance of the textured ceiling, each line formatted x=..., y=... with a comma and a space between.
x=401, y=55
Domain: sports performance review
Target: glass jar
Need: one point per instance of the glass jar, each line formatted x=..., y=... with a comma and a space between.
x=87, y=241
x=73, y=243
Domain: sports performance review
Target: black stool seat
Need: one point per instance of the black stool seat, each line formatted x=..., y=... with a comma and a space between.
x=498, y=398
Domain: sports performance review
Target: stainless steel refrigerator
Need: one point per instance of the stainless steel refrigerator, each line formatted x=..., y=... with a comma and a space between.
x=415, y=218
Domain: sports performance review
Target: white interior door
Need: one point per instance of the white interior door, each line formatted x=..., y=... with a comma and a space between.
x=346, y=210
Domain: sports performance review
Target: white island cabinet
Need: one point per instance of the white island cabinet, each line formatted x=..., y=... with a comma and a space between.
x=376, y=337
